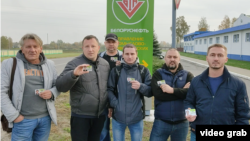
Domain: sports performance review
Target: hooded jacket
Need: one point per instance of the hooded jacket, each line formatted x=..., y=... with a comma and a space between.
x=11, y=109
x=228, y=106
x=128, y=104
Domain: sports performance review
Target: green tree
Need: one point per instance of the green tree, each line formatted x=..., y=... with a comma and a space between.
x=156, y=46
x=181, y=28
x=4, y=42
x=203, y=26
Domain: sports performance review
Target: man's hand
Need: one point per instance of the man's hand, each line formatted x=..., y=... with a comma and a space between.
x=135, y=84
x=191, y=118
x=46, y=94
x=79, y=70
x=167, y=89
x=118, y=63
x=187, y=85
x=18, y=119
x=110, y=112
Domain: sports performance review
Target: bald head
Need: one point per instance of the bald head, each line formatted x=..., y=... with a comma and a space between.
x=172, y=59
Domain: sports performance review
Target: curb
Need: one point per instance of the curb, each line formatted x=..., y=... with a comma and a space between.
x=203, y=65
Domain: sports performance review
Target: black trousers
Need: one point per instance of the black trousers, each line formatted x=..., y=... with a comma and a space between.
x=86, y=129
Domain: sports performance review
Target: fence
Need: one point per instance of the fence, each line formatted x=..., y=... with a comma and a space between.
x=8, y=53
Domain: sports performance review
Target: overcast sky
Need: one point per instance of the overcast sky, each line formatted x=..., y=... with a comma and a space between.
x=71, y=20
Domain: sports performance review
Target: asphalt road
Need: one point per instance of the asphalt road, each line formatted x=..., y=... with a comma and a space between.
x=60, y=63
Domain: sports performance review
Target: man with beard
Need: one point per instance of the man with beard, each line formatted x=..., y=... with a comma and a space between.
x=218, y=97
x=170, y=85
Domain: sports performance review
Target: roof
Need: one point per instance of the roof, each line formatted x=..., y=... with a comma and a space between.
x=196, y=33
x=232, y=29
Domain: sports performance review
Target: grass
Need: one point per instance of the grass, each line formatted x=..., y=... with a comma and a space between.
x=61, y=132
x=52, y=56
x=231, y=62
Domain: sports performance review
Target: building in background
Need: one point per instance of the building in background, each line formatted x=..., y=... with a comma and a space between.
x=236, y=39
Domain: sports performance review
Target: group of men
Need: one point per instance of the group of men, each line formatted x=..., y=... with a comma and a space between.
x=113, y=84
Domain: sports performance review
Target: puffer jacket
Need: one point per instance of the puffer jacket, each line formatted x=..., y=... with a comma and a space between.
x=88, y=92
x=128, y=104
x=228, y=106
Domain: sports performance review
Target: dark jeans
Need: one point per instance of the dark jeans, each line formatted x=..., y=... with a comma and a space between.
x=105, y=135
x=162, y=130
x=86, y=129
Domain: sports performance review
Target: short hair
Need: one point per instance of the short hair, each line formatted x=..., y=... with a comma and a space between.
x=217, y=45
x=88, y=37
x=172, y=49
x=129, y=46
x=31, y=36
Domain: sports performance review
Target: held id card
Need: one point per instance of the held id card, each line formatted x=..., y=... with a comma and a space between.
x=89, y=68
x=38, y=91
x=161, y=82
x=114, y=59
x=191, y=112
x=130, y=79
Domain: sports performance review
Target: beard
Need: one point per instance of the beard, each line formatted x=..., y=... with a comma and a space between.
x=216, y=66
x=171, y=67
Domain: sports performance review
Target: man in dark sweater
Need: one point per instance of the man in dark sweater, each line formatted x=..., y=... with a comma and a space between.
x=170, y=85
x=113, y=56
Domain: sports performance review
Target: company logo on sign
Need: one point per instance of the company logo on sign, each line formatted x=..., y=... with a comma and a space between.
x=130, y=11
x=130, y=7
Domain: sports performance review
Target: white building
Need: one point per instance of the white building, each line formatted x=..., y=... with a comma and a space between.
x=243, y=19
x=236, y=39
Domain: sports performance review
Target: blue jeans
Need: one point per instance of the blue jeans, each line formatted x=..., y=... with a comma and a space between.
x=193, y=136
x=118, y=129
x=32, y=129
x=162, y=130
x=105, y=136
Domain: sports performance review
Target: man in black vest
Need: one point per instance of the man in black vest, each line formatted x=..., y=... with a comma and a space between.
x=170, y=85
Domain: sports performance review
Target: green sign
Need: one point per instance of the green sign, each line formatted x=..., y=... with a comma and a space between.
x=132, y=21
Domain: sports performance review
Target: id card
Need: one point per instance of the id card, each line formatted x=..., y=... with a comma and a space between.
x=161, y=82
x=38, y=91
x=191, y=112
x=130, y=79
x=89, y=68
x=114, y=59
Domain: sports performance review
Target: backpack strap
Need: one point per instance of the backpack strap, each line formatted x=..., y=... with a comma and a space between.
x=12, y=77
x=117, y=76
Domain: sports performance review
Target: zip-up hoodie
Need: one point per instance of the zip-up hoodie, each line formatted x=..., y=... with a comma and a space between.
x=33, y=80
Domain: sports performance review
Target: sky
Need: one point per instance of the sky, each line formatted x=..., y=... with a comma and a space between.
x=72, y=20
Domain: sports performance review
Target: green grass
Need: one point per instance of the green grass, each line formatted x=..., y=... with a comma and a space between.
x=231, y=62
x=52, y=56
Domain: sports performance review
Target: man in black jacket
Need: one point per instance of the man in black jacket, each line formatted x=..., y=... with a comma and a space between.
x=86, y=77
x=170, y=85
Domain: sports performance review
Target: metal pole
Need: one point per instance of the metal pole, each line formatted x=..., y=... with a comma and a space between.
x=173, y=24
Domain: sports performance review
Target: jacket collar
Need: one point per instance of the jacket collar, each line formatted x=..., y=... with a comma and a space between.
x=165, y=68
x=225, y=75
x=90, y=61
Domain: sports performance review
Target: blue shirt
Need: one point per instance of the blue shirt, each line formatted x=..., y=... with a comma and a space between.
x=215, y=82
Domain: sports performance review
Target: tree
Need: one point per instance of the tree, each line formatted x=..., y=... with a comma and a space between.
x=227, y=23
x=156, y=46
x=203, y=26
x=181, y=28
x=232, y=22
x=4, y=42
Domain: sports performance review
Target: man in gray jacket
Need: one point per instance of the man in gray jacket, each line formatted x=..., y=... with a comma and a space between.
x=86, y=77
x=29, y=114
x=126, y=95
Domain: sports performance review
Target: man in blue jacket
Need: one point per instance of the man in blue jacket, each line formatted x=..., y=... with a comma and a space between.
x=126, y=95
x=170, y=85
x=218, y=97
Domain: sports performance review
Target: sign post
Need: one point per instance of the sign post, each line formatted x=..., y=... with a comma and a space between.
x=175, y=6
x=132, y=22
